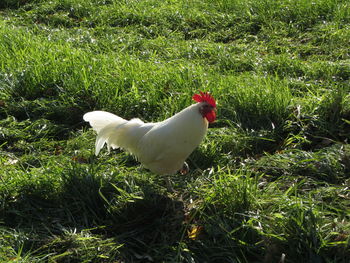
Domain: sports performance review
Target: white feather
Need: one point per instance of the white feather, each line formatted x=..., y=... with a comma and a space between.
x=100, y=119
x=161, y=147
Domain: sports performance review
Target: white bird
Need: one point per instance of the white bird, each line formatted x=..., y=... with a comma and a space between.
x=162, y=147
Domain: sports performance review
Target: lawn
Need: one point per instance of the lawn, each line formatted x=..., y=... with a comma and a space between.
x=271, y=180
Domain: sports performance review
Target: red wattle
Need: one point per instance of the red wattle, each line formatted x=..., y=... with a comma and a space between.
x=210, y=116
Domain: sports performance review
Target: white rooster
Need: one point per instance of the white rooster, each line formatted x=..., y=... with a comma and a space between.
x=161, y=147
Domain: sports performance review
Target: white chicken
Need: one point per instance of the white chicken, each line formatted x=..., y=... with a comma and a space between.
x=162, y=147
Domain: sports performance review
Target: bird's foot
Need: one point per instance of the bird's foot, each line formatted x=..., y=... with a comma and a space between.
x=185, y=169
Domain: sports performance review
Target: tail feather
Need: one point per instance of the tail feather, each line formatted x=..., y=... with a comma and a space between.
x=104, y=123
x=110, y=134
x=100, y=119
x=116, y=131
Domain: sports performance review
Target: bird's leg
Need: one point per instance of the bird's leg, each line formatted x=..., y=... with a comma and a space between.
x=185, y=169
x=169, y=185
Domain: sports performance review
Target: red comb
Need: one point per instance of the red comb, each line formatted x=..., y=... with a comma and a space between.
x=204, y=97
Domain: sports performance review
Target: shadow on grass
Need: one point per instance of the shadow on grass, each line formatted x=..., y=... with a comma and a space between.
x=149, y=228
x=13, y=4
x=145, y=225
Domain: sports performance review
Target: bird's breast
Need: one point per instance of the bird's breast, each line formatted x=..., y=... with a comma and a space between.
x=167, y=145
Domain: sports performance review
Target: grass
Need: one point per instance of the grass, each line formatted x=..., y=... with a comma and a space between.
x=271, y=179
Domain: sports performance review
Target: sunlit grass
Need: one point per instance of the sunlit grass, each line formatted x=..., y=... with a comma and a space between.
x=269, y=181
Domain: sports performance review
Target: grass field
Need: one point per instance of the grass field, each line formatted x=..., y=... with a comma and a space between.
x=270, y=183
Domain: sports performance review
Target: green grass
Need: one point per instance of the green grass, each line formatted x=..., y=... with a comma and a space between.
x=270, y=179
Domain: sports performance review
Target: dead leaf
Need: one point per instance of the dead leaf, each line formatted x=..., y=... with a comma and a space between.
x=195, y=232
x=80, y=159
x=58, y=150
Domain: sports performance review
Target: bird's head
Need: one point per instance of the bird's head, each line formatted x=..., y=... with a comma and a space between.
x=208, y=105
